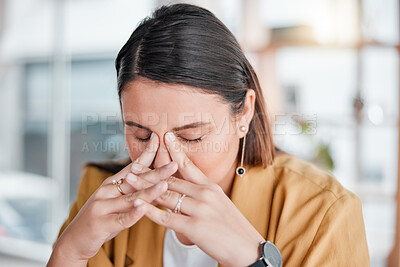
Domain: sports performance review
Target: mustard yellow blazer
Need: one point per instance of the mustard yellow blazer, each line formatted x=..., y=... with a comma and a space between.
x=303, y=210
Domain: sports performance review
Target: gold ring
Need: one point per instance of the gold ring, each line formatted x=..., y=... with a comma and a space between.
x=118, y=183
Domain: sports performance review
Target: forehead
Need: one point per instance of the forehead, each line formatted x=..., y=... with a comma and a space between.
x=144, y=100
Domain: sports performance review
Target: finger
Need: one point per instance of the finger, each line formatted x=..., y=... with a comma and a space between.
x=139, y=183
x=185, y=187
x=121, y=174
x=174, y=221
x=109, y=187
x=170, y=198
x=110, y=190
x=156, y=175
x=147, y=156
x=147, y=179
x=126, y=202
x=119, y=221
x=195, y=195
x=116, y=185
x=186, y=167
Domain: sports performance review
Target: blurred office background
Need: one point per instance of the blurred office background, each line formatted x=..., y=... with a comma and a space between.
x=329, y=69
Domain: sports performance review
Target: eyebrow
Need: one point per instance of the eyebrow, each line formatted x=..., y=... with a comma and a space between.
x=176, y=129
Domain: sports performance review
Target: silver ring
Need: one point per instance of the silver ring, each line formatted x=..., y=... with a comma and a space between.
x=178, y=205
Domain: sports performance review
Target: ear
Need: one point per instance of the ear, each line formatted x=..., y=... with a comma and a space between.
x=247, y=113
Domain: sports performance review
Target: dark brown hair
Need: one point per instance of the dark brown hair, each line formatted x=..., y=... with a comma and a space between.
x=187, y=44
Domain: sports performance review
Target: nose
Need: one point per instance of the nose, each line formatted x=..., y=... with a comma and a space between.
x=162, y=156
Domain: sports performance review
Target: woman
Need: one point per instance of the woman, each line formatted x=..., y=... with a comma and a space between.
x=206, y=187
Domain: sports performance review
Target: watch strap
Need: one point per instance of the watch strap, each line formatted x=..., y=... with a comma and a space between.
x=259, y=263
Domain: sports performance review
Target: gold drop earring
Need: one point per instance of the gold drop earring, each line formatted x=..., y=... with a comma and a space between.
x=241, y=170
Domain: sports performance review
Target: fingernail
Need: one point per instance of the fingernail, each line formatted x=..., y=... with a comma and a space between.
x=152, y=135
x=160, y=185
x=136, y=167
x=137, y=202
x=131, y=177
x=170, y=136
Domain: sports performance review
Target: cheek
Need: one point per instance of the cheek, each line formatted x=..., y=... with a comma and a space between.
x=216, y=157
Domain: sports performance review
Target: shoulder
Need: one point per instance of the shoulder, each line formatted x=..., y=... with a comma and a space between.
x=314, y=209
x=305, y=196
x=91, y=179
x=299, y=176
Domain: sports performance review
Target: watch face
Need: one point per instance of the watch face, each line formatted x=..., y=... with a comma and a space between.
x=272, y=256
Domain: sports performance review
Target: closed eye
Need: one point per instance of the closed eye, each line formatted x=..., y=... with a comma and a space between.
x=197, y=140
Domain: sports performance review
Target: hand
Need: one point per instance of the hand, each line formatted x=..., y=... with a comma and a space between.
x=209, y=218
x=107, y=212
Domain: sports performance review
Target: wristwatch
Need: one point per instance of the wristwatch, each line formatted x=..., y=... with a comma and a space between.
x=269, y=256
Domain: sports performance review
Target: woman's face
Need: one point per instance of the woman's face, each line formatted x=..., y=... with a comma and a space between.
x=201, y=122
